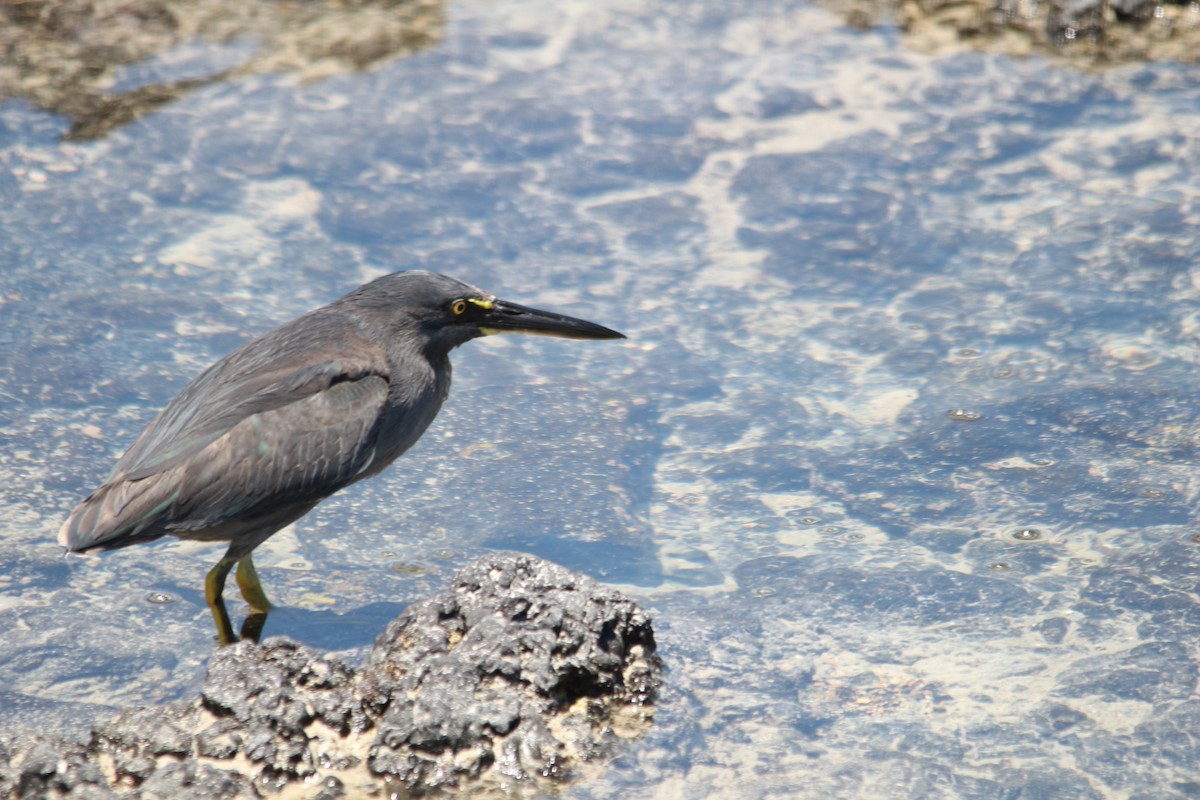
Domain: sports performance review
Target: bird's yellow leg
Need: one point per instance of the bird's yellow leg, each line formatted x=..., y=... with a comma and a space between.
x=252, y=591
x=256, y=598
x=214, y=586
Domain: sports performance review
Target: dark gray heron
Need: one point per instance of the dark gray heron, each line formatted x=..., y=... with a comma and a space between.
x=286, y=420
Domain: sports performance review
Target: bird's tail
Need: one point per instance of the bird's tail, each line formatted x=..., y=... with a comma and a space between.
x=118, y=514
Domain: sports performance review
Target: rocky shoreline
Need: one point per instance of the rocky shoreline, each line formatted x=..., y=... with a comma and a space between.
x=518, y=676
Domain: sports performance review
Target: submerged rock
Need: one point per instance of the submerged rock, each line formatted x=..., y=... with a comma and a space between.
x=65, y=55
x=518, y=675
x=1087, y=33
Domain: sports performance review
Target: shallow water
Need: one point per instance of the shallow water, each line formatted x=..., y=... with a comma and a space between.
x=900, y=451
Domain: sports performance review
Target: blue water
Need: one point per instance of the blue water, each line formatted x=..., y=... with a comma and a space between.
x=888, y=313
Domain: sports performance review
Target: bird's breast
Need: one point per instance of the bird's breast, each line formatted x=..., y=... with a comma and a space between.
x=411, y=407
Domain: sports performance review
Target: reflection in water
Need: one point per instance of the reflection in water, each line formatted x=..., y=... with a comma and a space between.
x=66, y=56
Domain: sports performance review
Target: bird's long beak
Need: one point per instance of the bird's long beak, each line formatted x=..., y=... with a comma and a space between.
x=506, y=317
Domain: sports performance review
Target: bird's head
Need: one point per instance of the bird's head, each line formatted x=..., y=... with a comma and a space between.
x=447, y=312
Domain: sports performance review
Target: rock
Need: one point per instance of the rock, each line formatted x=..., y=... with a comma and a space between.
x=73, y=47
x=521, y=673
x=265, y=698
x=193, y=780
x=1082, y=32
x=480, y=676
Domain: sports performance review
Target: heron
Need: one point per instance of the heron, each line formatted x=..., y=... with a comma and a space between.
x=262, y=436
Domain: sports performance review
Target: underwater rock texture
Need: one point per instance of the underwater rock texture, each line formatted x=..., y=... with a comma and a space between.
x=1085, y=32
x=66, y=55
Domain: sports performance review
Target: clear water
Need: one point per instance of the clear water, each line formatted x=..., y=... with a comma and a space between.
x=900, y=451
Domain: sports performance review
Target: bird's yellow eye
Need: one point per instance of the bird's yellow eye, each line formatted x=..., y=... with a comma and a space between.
x=459, y=308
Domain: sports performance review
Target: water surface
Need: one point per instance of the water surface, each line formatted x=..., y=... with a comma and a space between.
x=900, y=451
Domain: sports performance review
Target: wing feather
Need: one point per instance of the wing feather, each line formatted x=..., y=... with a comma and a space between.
x=297, y=453
x=287, y=419
x=296, y=360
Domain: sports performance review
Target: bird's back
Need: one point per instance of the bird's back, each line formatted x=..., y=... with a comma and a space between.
x=264, y=434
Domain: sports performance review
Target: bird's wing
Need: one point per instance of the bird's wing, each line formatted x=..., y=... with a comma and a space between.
x=289, y=455
x=221, y=398
x=239, y=440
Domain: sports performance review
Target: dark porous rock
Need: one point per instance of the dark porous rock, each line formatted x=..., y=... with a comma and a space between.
x=1088, y=33
x=142, y=732
x=36, y=767
x=265, y=700
x=520, y=674
x=193, y=780
x=522, y=667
